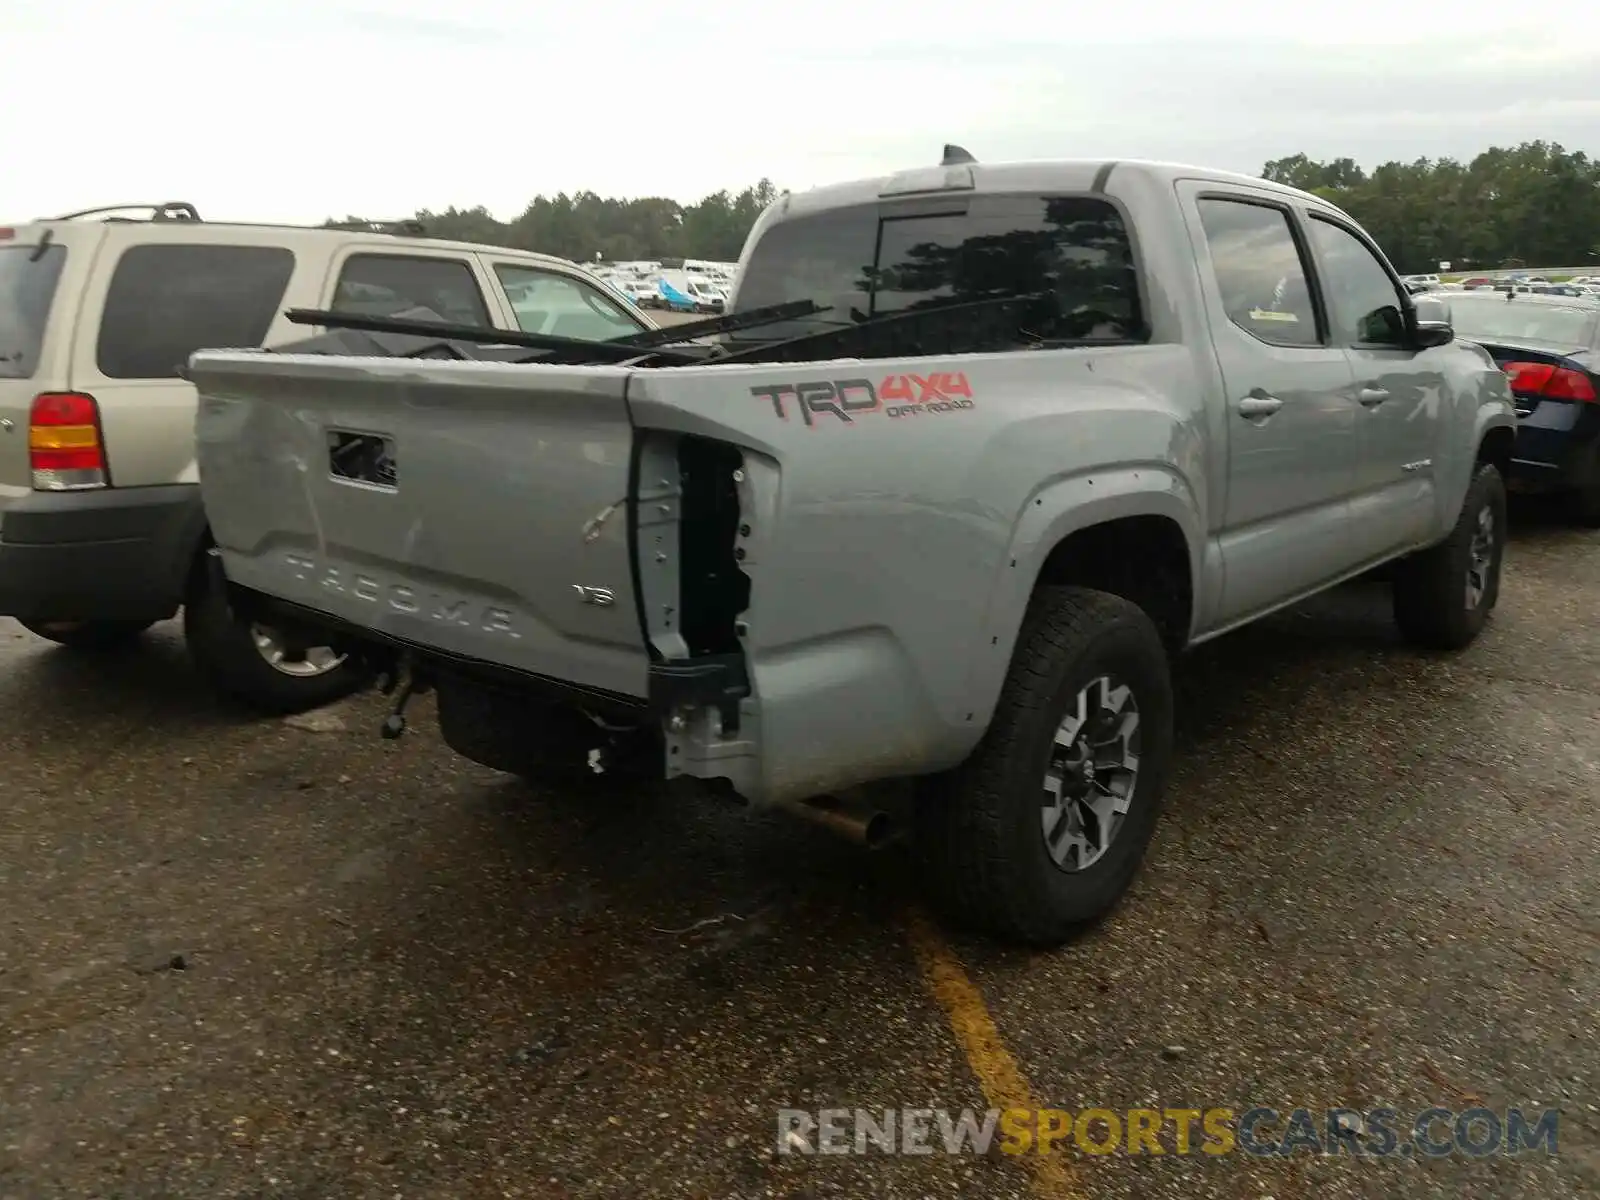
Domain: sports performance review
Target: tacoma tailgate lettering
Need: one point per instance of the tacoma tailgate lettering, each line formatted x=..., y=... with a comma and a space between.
x=403, y=598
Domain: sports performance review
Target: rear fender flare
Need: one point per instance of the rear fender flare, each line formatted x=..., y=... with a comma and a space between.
x=1051, y=515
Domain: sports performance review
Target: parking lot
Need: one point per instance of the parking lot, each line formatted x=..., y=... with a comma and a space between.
x=290, y=959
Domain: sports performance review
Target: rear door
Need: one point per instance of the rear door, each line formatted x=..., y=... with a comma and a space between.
x=42, y=269
x=1292, y=447
x=381, y=279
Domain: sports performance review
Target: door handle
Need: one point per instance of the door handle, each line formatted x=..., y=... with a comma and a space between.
x=1262, y=405
x=1371, y=397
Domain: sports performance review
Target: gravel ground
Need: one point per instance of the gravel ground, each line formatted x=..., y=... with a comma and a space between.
x=245, y=958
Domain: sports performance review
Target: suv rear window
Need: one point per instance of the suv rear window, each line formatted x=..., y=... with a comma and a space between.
x=165, y=302
x=1072, y=251
x=28, y=281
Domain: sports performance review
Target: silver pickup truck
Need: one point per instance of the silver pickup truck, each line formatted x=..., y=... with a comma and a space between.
x=976, y=449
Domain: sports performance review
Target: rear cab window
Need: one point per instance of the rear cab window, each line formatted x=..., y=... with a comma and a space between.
x=1072, y=254
x=29, y=276
x=383, y=284
x=165, y=301
x=1260, y=271
x=561, y=305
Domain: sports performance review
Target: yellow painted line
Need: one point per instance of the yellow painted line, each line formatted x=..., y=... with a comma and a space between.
x=1004, y=1085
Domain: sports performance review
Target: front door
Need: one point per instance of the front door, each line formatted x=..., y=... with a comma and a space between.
x=1290, y=408
x=1401, y=392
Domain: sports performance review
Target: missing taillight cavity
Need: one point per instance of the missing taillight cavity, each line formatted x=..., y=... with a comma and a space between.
x=714, y=590
x=66, y=449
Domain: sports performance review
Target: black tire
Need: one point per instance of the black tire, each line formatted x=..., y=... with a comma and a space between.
x=979, y=829
x=93, y=637
x=536, y=741
x=1584, y=506
x=1431, y=601
x=224, y=652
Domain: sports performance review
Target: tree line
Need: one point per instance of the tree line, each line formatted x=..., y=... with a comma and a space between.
x=585, y=226
x=1533, y=205
x=1530, y=205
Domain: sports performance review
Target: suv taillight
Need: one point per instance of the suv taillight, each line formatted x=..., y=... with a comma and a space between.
x=65, y=448
x=1549, y=382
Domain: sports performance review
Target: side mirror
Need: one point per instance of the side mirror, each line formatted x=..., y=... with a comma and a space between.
x=1433, y=333
x=1430, y=323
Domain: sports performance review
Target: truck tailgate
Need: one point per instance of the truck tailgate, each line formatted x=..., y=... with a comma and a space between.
x=336, y=483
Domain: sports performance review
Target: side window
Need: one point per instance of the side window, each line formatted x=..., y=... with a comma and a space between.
x=165, y=302
x=1260, y=274
x=381, y=285
x=821, y=256
x=559, y=305
x=1071, y=254
x=1363, y=302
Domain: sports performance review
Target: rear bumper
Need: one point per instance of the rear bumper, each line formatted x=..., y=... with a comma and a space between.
x=1558, y=447
x=121, y=554
x=717, y=680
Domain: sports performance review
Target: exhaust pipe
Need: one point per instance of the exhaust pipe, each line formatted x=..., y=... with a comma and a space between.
x=862, y=823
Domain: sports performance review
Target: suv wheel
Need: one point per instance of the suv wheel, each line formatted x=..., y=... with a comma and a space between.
x=88, y=635
x=1585, y=507
x=1443, y=595
x=256, y=666
x=1041, y=830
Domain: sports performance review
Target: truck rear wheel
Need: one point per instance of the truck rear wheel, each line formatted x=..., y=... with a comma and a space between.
x=538, y=741
x=1443, y=595
x=1042, y=829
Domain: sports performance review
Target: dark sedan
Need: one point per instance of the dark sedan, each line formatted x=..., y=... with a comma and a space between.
x=1549, y=347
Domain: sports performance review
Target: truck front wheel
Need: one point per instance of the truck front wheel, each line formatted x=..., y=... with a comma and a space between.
x=1443, y=595
x=1042, y=829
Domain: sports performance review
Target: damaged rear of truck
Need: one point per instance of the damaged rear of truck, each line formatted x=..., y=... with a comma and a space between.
x=793, y=578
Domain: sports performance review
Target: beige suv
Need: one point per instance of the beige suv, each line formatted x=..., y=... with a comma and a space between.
x=102, y=532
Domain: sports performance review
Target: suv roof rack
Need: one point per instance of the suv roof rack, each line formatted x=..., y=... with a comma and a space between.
x=407, y=227
x=172, y=210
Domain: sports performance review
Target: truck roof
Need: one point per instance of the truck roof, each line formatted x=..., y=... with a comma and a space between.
x=1089, y=174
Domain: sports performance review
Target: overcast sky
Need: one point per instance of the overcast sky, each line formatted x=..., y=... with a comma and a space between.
x=301, y=109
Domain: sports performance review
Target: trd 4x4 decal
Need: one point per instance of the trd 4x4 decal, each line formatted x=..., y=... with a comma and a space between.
x=849, y=399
